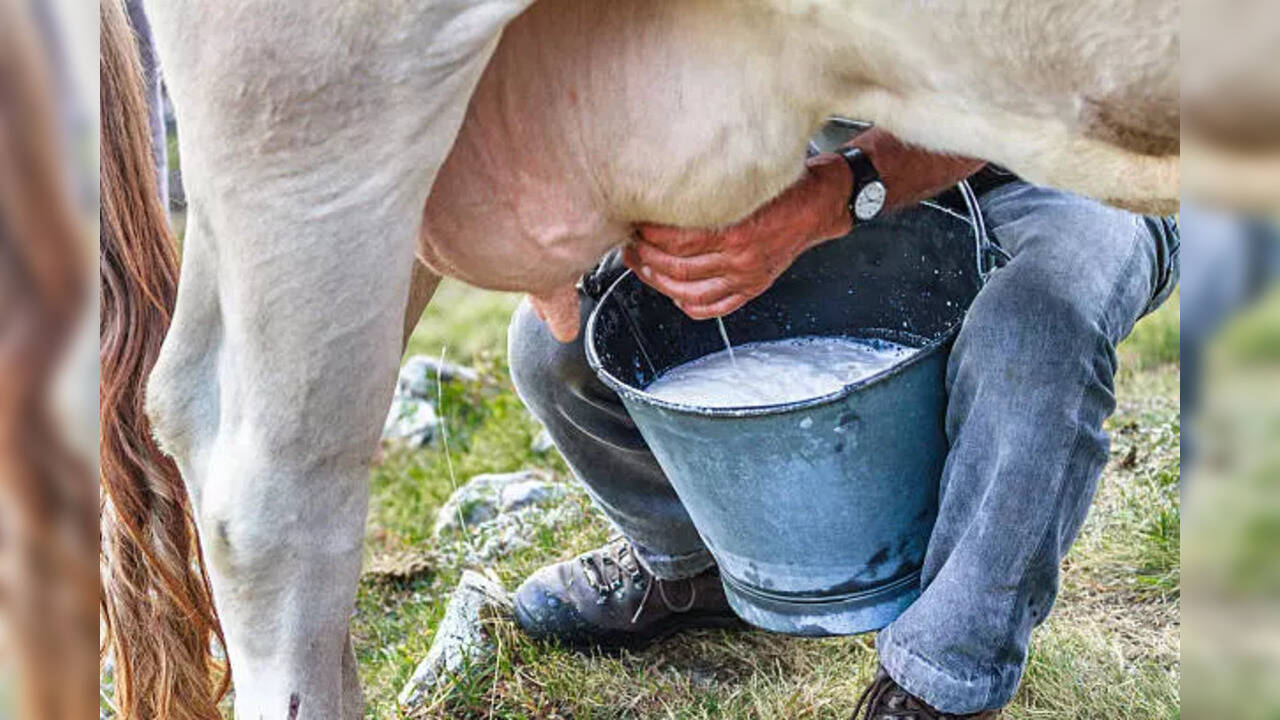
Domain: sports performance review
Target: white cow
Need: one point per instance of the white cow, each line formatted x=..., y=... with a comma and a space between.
x=315, y=133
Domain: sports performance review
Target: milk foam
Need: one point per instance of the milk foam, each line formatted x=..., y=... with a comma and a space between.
x=780, y=371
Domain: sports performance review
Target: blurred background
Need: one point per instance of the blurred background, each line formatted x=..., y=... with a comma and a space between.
x=1230, y=347
x=48, y=359
x=1231, y=457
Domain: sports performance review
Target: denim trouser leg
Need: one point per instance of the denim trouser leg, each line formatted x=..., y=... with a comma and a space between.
x=597, y=438
x=1030, y=383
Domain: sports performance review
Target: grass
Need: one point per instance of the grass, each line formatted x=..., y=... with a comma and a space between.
x=1155, y=339
x=1110, y=650
x=469, y=322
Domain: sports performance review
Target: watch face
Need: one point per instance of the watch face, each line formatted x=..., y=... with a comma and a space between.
x=869, y=201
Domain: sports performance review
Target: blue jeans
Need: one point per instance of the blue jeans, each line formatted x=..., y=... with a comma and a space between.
x=1029, y=382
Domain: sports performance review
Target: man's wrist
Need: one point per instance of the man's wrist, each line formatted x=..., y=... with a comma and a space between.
x=911, y=174
x=832, y=183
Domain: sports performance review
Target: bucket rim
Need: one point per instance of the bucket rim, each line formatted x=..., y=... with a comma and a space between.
x=638, y=395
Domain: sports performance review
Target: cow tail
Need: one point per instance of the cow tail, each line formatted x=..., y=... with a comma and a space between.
x=157, y=606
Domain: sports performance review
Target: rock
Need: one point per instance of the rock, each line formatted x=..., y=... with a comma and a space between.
x=522, y=494
x=542, y=442
x=502, y=513
x=481, y=499
x=512, y=531
x=411, y=421
x=418, y=376
x=460, y=640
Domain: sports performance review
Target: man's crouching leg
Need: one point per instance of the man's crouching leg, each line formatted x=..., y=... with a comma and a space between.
x=659, y=577
x=1030, y=382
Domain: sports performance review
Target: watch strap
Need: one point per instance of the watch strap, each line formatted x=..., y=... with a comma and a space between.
x=864, y=173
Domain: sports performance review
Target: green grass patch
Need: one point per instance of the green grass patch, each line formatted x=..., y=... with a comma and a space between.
x=469, y=322
x=1079, y=672
x=1156, y=339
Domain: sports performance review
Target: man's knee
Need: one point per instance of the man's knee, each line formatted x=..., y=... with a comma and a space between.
x=1027, y=314
x=1079, y=257
x=541, y=367
x=527, y=355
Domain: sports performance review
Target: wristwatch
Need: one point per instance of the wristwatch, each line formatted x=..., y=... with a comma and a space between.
x=866, y=200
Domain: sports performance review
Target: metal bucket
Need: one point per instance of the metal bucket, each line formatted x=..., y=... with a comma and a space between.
x=818, y=512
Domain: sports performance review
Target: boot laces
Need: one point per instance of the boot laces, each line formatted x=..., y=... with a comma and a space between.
x=608, y=571
x=884, y=699
x=872, y=696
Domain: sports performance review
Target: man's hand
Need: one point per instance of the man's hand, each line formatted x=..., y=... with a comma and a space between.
x=710, y=272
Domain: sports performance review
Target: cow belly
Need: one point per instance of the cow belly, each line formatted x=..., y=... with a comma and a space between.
x=596, y=114
x=555, y=159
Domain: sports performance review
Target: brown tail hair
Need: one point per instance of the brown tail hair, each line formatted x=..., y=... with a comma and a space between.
x=156, y=601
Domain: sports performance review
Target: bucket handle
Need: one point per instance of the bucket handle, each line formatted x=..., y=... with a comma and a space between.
x=988, y=252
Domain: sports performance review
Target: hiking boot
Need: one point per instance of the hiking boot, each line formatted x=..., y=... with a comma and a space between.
x=607, y=599
x=885, y=699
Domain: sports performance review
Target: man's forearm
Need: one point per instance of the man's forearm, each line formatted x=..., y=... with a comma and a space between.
x=711, y=272
x=910, y=175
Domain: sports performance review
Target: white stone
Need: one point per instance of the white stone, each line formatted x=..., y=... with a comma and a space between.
x=410, y=421
x=460, y=641
x=542, y=442
x=522, y=494
x=481, y=499
x=418, y=375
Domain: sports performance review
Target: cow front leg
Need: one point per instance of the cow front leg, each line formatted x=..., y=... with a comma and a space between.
x=270, y=392
x=310, y=135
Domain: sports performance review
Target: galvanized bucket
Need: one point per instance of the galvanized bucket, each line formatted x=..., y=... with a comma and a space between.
x=818, y=512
